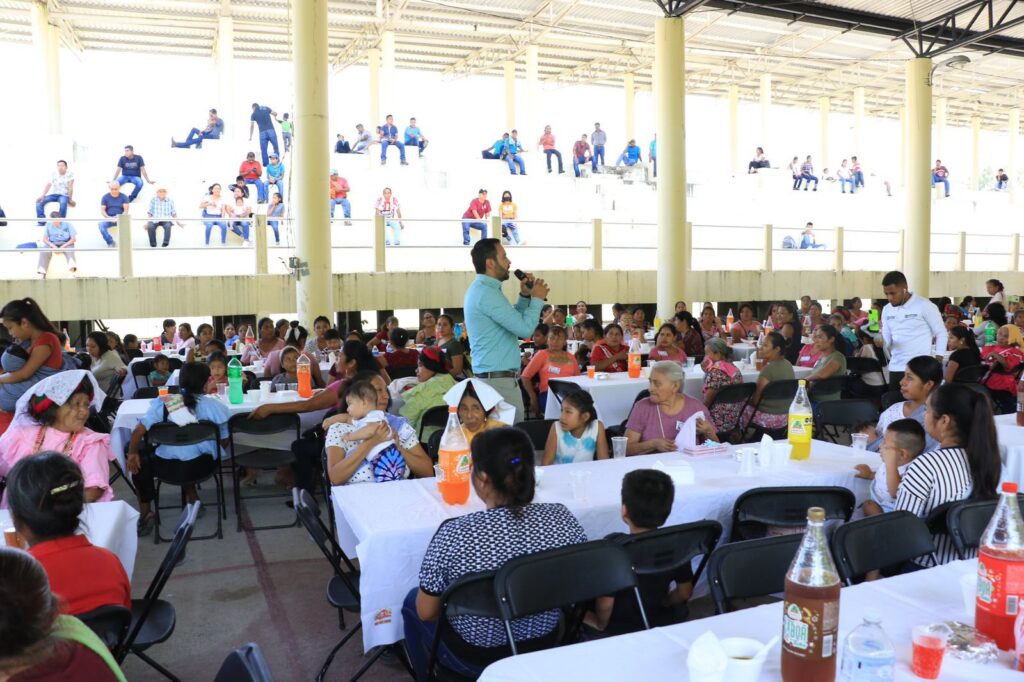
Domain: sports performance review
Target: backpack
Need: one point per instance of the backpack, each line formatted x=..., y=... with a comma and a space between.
x=788, y=242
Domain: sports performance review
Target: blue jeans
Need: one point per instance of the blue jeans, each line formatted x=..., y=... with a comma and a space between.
x=346, y=207
x=944, y=181
x=598, y=151
x=223, y=230
x=276, y=182
x=577, y=161
x=273, y=226
x=510, y=232
x=419, y=638
x=843, y=181
x=261, y=189
x=414, y=142
x=1000, y=185
x=241, y=228
x=384, y=150
x=859, y=177
x=62, y=199
x=654, y=160
x=623, y=159
x=395, y=228
x=554, y=152
x=195, y=138
x=808, y=177
x=513, y=161
x=105, y=231
x=135, y=180
x=467, y=224
x=268, y=137
x=287, y=141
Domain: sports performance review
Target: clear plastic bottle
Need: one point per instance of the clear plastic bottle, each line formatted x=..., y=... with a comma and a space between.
x=729, y=320
x=801, y=423
x=302, y=371
x=868, y=655
x=1020, y=403
x=1001, y=571
x=453, y=461
x=633, y=357
x=236, y=389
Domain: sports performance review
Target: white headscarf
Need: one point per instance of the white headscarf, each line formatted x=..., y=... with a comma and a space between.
x=489, y=398
x=57, y=388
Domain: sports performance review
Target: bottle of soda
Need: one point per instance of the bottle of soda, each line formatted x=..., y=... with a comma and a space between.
x=868, y=655
x=1020, y=403
x=236, y=393
x=157, y=345
x=801, y=423
x=1001, y=571
x=633, y=357
x=990, y=335
x=729, y=319
x=250, y=338
x=807, y=325
x=453, y=461
x=810, y=609
x=305, y=379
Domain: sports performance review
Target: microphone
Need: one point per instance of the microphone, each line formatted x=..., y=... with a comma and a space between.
x=521, y=276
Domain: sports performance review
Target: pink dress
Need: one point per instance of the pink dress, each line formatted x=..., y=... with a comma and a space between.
x=89, y=450
x=659, y=355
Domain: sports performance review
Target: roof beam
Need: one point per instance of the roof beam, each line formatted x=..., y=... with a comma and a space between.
x=370, y=36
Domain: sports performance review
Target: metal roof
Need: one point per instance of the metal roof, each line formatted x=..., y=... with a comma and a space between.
x=808, y=52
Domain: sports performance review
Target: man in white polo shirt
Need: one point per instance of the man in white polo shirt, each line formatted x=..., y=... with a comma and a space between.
x=910, y=325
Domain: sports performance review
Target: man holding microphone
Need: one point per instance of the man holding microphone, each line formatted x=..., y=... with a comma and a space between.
x=494, y=325
x=910, y=325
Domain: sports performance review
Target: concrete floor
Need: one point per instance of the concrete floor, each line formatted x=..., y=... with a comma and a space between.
x=266, y=587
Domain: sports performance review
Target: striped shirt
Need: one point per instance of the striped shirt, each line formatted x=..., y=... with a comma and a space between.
x=932, y=479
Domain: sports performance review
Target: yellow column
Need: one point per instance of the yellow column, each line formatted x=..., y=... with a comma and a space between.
x=823, y=109
x=669, y=95
x=734, y=129
x=46, y=40
x=858, y=120
x=917, y=234
x=1011, y=163
x=903, y=143
x=766, y=110
x=531, y=134
x=313, y=291
x=629, y=91
x=387, y=74
x=975, y=152
x=226, y=72
x=940, y=126
x=373, y=64
x=509, y=68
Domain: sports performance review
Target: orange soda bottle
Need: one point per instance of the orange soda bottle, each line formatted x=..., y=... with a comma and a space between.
x=305, y=379
x=453, y=461
x=633, y=357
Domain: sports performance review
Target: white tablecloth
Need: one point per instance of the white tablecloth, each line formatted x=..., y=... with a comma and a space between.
x=614, y=396
x=389, y=526
x=904, y=601
x=110, y=525
x=1011, y=447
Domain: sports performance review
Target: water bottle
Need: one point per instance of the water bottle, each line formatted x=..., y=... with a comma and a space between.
x=236, y=393
x=868, y=655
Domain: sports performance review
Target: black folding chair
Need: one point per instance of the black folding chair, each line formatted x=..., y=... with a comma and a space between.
x=110, y=623
x=183, y=473
x=890, y=398
x=818, y=390
x=971, y=374
x=434, y=445
x=620, y=429
x=401, y=372
x=857, y=368
x=244, y=664
x=153, y=619
x=140, y=372
x=150, y=392
x=786, y=507
x=749, y=569
x=966, y=522
x=880, y=542
x=537, y=430
x=566, y=576
x=833, y=417
x=343, y=588
x=664, y=552
x=113, y=390
x=436, y=416
x=784, y=389
x=734, y=394
x=176, y=362
x=260, y=459
x=560, y=389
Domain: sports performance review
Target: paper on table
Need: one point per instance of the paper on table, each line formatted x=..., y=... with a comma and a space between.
x=686, y=437
x=706, y=661
x=764, y=451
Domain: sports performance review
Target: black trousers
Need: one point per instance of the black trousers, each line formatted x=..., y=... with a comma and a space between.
x=151, y=229
x=307, y=465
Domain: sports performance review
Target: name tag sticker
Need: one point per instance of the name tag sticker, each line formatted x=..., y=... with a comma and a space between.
x=554, y=370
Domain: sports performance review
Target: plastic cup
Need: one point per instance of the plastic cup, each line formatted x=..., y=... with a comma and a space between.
x=969, y=591
x=591, y=371
x=292, y=387
x=265, y=387
x=11, y=537
x=745, y=658
x=690, y=362
x=781, y=452
x=929, y=649
x=619, y=447
x=580, y=481
x=222, y=391
x=859, y=441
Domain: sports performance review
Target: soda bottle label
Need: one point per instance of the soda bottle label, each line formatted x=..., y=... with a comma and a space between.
x=809, y=627
x=800, y=425
x=463, y=465
x=1000, y=585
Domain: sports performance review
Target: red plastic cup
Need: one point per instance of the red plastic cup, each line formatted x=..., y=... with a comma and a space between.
x=928, y=650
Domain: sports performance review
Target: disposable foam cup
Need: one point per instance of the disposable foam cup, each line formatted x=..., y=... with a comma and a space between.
x=744, y=662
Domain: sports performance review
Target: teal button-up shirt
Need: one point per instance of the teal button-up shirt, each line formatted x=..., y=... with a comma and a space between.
x=495, y=325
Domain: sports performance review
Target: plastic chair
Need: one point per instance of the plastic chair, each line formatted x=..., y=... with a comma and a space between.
x=140, y=372
x=114, y=389
x=857, y=368
x=182, y=473
x=401, y=372
x=110, y=623
x=834, y=385
x=776, y=390
x=786, y=507
x=890, y=398
x=244, y=664
x=543, y=581
x=735, y=394
x=970, y=374
x=620, y=429
x=878, y=542
x=153, y=619
x=834, y=416
x=537, y=430
x=560, y=389
x=176, y=362
x=966, y=523
x=753, y=568
x=150, y=392
x=261, y=459
x=434, y=416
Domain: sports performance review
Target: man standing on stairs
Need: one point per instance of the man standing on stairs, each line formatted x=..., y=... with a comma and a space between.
x=598, y=138
x=389, y=136
x=264, y=118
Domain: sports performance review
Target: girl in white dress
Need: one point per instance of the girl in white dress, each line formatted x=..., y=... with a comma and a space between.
x=578, y=435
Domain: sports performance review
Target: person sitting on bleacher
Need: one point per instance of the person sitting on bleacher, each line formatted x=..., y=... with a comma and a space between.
x=342, y=146
x=362, y=140
x=414, y=136
x=275, y=175
x=758, y=162
x=389, y=137
x=630, y=156
x=496, y=150
x=251, y=173
x=213, y=130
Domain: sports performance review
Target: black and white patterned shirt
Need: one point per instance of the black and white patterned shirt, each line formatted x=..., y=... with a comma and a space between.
x=484, y=541
x=932, y=479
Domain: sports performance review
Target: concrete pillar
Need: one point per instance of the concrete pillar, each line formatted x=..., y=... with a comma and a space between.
x=124, y=245
x=940, y=126
x=1011, y=149
x=46, y=40
x=975, y=152
x=903, y=143
x=629, y=92
x=387, y=75
x=313, y=291
x=532, y=133
x=226, y=72
x=597, y=247
x=734, y=129
x=379, y=247
x=669, y=96
x=917, y=234
x=858, y=120
x=509, y=67
x=766, y=109
x=824, y=104
x=261, y=244
x=373, y=64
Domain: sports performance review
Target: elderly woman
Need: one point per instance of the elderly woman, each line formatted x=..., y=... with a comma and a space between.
x=106, y=363
x=746, y=328
x=691, y=340
x=267, y=342
x=1003, y=359
x=480, y=407
x=655, y=421
x=770, y=414
x=830, y=361
x=434, y=382
x=51, y=416
x=720, y=372
x=666, y=346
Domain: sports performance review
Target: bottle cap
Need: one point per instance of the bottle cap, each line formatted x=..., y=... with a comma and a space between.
x=453, y=409
x=872, y=616
x=1010, y=487
x=803, y=383
x=816, y=514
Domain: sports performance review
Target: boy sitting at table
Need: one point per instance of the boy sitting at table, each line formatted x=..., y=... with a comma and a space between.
x=384, y=462
x=647, y=496
x=904, y=440
x=161, y=371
